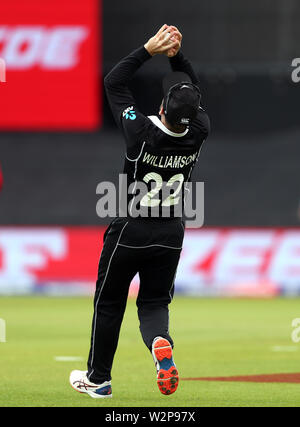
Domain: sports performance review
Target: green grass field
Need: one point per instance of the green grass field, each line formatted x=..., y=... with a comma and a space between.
x=213, y=337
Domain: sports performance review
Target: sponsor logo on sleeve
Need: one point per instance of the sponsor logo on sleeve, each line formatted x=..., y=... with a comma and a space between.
x=129, y=113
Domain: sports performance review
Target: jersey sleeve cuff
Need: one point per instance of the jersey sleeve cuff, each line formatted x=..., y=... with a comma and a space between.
x=142, y=54
x=176, y=60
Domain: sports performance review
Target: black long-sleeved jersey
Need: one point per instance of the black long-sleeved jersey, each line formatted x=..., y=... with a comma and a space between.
x=156, y=158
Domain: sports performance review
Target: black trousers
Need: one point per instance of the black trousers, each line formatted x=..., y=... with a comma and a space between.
x=150, y=247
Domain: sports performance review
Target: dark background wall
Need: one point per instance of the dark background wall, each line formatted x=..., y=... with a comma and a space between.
x=250, y=164
x=215, y=32
x=242, y=52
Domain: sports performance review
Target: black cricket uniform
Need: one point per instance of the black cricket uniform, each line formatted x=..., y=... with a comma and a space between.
x=150, y=246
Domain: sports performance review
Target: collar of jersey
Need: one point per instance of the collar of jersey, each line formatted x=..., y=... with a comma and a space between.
x=155, y=120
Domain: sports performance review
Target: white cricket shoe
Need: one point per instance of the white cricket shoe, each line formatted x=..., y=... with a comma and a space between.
x=79, y=382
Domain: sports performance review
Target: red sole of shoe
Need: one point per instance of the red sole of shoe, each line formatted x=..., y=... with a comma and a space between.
x=167, y=381
x=162, y=349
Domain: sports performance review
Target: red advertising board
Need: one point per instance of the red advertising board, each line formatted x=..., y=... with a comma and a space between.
x=51, y=51
x=214, y=261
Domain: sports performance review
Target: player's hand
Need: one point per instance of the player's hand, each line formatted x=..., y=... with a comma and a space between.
x=176, y=36
x=163, y=41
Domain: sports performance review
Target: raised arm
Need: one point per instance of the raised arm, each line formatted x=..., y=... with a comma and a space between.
x=116, y=82
x=179, y=62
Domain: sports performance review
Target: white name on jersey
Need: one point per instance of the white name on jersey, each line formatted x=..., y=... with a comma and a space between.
x=173, y=162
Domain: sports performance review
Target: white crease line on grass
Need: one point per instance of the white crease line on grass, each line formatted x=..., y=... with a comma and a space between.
x=68, y=359
x=284, y=348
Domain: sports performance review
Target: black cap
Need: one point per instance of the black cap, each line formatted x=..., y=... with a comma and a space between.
x=181, y=98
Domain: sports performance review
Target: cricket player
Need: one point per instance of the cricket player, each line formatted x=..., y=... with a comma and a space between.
x=161, y=152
